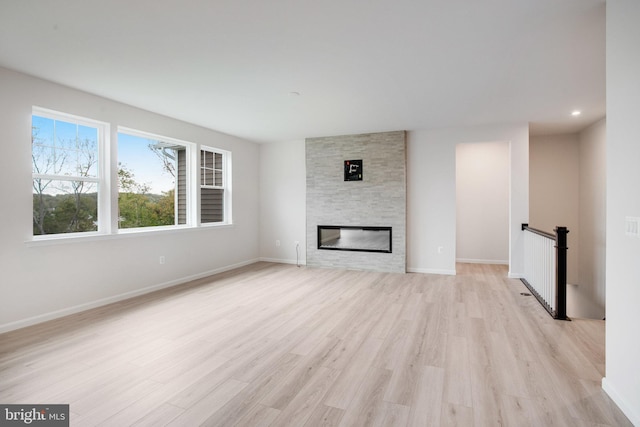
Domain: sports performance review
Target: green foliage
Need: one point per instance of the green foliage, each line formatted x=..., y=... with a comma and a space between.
x=67, y=206
x=63, y=205
x=145, y=210
x=137, y=208
x=64, y=213
x=78, y=212
x=72, y=213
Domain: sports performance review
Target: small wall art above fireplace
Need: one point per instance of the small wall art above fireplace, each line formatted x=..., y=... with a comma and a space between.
x=354, y=238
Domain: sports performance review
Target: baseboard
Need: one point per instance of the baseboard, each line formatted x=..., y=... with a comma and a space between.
x=625, y=407
x=432, y=271
x=12, y=326
x=283, y=261
x=482, y=261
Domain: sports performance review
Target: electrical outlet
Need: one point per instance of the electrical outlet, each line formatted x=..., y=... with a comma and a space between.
x=296, y=243
x=161, y=260
x=440, y=249
x=277, y=243
x=632, y=226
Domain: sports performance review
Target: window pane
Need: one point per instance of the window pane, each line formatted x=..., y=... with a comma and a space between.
x=212, y=204
x=64, y=206
x=89, y=135
x=42, y=137
x=182, y=187
x=147, y=171
x=64, y=148
x=202, y=161
x=87, y=145
x=212, y=207
x=207, y=174
x=43, y=159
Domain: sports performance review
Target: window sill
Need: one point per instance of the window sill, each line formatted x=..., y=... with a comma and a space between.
x=121, y=234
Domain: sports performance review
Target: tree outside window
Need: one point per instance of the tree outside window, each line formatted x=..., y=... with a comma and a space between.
x=65, y=176
x=157, y=179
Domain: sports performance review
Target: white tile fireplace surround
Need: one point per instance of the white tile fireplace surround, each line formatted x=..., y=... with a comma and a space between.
x=375, y=199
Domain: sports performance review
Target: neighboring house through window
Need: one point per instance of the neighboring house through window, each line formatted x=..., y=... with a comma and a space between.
x=152, y=180
x=155, y=183
x=212, y=185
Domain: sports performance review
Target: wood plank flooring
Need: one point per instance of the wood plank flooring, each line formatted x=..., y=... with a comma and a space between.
x=279, y=345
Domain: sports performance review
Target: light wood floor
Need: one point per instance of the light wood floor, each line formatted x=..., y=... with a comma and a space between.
x=276, y=345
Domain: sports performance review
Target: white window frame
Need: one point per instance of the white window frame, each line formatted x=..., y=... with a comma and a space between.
x=225, y=187
x=107, y=182
x=101, y=179
x=189, y=148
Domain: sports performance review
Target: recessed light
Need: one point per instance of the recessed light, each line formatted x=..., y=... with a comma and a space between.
x=576, y=113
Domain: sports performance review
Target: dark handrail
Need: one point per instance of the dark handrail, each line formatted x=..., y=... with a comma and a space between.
x=539, y=232
x=560, y=237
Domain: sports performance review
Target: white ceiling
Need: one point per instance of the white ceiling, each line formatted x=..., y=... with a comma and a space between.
x=359, y=66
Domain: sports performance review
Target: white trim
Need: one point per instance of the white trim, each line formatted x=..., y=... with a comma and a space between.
x=482, y=261
x=152, y=228
x=103, y=175
x=283, y=261
x=57, y=115
x=227, y=181
x=154, y=136
x=93, y=236
x=228, y=185
x=432, y=271
x=107, y=183
x=511, y=275
x=624, y=406
x=66, y=177
x=227, y=178
x=189, y=148
x=109, y=300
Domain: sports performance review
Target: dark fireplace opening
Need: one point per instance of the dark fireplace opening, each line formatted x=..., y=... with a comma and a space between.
x=354, y=238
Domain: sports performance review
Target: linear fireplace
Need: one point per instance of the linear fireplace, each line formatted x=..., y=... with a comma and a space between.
x=354, y=238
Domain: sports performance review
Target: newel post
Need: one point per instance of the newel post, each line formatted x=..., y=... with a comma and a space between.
x=561, y=272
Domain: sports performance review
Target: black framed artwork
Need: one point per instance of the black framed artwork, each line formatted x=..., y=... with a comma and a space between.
x=353, y=170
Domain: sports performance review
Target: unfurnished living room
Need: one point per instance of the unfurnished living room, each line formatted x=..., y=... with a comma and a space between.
x=333, y=213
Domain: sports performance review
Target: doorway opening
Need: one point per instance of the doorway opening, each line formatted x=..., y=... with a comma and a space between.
x=482, y=203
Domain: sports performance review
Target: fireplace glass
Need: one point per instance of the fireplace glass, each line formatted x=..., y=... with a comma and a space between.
x=354, y=238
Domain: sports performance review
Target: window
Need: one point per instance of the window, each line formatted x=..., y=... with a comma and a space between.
x=67, y=174
x=78, y=176
x=213, y=182
x=152, y=180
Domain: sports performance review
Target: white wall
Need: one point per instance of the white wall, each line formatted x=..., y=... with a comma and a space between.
x=282, y=201
x=590, y=294
x=554, y=165
x=482, y=202
x=567, y=187
x=42, y=281
x=622, y=380
x=431, y=204
x=431, y=194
